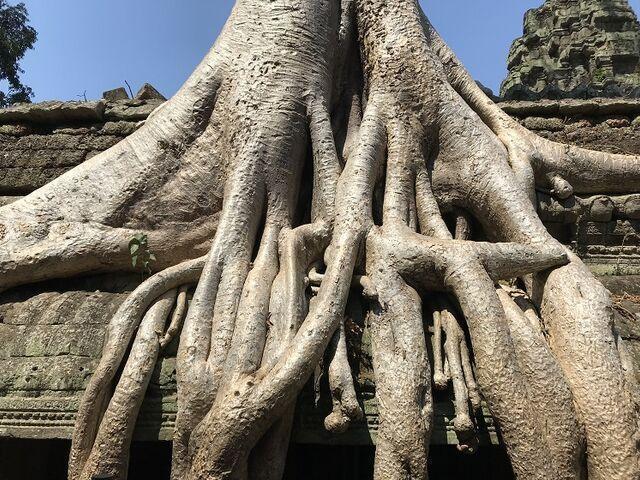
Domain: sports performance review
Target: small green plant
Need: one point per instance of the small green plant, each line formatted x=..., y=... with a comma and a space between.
x=599, y=75
x=141, y=256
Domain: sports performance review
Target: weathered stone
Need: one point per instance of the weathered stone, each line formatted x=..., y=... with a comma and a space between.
x=15, y=130
x=50, y=340
x=598, y=135
x=552, y=209
x=627, y=319
x=540, y=123
x=148, y=92
x=49, y=158
x=526, y=109
x=134, y=102
x=41, y=374
x=121, y=129
x=625, y=227
x=53, y=112
x=597, y=227
x=131, y=111
x=48, y=142
x=20, y=180
x=100, y=142
x=618, y=122
x=27, y=307
x=7, y=140
x=72, y=130
x=116, y=94
x=626, y=292
x=632, y=207
x=576, y=49
x=164, y=376
x=54, y=149
x=39, y=158
x=616, y=106
x=573, y=107
x=576, y=124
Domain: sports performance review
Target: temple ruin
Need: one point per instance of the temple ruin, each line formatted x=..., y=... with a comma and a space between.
x=51, y=333
x=576, y=49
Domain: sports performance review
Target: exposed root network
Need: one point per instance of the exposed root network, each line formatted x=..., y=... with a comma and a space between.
x=324, y=149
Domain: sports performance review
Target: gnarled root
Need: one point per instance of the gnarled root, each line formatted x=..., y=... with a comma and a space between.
x=578, y=316
x=268, y=393
x=403, y=382
x=548, y=389
x=219, y=169
x=346, y=408
x=109, y=455
x=465, y=389
x=119, y=334
x=401, y=366
x=434, y=267
x=576, y=331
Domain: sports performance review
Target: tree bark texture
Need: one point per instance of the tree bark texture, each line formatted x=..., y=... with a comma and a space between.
x=325, y=149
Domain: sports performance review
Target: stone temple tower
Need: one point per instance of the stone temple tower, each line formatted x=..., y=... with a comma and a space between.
x=576, y=49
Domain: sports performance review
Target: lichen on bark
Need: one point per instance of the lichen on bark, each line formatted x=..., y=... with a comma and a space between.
x=323, y=149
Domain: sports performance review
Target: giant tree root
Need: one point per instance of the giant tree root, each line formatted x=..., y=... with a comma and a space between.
x=342, y=134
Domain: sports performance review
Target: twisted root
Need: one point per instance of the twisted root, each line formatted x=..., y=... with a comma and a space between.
x=420, y=149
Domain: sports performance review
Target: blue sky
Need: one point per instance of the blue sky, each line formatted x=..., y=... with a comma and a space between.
x=95, y=45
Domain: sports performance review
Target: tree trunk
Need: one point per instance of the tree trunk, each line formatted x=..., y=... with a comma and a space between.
x=311, y=156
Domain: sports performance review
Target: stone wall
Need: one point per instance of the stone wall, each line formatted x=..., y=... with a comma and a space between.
x=576, y=49
x=603, y=229
x=42, y=141
x=51, y=338
x=51, y=334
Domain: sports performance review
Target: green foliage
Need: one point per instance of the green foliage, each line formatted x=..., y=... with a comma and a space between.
x=599, y=75
x=16, y=37
x=141, y=256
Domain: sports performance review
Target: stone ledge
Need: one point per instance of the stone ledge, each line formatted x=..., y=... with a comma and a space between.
x=53, y=112
x=73, y=112
x=58, y=112
x=569, y=107
x=51, y=418
x=131, y=110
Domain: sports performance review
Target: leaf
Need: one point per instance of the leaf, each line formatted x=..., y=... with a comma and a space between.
x=133, y=248
x=152, y=257
x=134, y=260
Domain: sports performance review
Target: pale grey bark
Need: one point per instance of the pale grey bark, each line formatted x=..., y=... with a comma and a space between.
x=298, y=146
